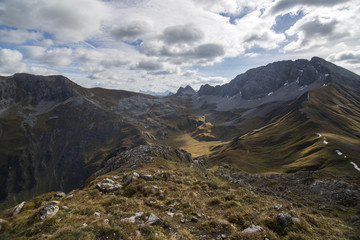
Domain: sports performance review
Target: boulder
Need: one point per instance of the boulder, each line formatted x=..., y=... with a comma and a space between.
x=48, y=211
x=69, y=196
x=283, y=219
x=97, y=214
x=17, y=209
x=133, y=218
x=107, y=185
x=277, y=207
x=60, y=195
x=83, y=226
x=132, y=177
x=253, y=229
x=54, y=203
x=153, y=220
x=295, y=220
x=147, y=177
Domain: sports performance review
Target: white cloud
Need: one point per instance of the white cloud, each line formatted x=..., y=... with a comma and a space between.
x=148, y=65
x=52, y=56
x=286, y=5
x=11, y=62
x=348, y=58
x=68, y=20
x=352, y=56
x=42, y=71
x=152, y=44
x=182, y=34
x=131, y=31
x=18, y=36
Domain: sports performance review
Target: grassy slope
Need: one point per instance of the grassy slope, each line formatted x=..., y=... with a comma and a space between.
x=224, y=208
x=290, y=142
x=191, y=145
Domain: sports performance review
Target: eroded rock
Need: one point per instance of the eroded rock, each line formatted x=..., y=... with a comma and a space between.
x=60, y=195
x=107, y=185
x=132, y=177
x=132, y=219
x=153, y=220
x=48, y=211
x=17, y=209
x=253, y=229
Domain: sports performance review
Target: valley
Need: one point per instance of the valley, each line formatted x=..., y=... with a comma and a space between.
x=273, y=154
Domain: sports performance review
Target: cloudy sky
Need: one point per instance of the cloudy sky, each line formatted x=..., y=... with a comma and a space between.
x=161, y=45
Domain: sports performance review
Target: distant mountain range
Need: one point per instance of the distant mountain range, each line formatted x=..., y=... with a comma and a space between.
x=284, y=117
x=157, y=94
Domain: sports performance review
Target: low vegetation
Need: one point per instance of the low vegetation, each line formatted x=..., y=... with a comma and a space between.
x=188, y=201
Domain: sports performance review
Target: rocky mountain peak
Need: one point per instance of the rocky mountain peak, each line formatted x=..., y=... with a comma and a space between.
x=51, y=88
x=285, y=79
x=187, y=91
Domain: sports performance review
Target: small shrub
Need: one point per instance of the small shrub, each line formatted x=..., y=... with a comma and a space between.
x=216, y=226
x=237, y=219
x=70, y=234
x=214, y=202
x=130, y=191
x=212, y=185
x=230, y=197
x=49, y=225
x=231, y=204
x=275, y=226
x=94, y=193
x=247, y=236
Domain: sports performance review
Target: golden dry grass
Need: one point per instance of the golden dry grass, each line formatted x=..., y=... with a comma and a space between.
x=191, y=145
x=224, y=209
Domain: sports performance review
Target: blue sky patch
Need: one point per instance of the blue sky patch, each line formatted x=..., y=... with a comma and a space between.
x=284, y=22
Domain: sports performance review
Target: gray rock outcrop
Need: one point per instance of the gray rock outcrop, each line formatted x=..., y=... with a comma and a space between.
x=107, y=185
x=17, y=209
x=253, y=229
x=48, y=211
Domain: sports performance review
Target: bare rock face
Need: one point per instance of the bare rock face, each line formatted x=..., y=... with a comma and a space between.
x=259, y=82
x=48, y=211
x=185, y=92
x=54, y=113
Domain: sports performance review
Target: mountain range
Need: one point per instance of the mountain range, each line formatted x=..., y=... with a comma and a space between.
x=289, y=121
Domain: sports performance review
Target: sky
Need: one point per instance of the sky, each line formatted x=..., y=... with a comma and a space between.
x=159, y=45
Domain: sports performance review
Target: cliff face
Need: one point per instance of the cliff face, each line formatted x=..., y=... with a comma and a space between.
x=53, y=132
x=259, y=82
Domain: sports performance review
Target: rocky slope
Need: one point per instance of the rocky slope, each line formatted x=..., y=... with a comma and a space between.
x=54, y=133
x=278, y=81
x=157, y=192
x=291, y=138
x=317, y=131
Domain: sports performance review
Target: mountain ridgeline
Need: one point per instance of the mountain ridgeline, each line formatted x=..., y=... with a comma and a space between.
x=284, y=117
x=259, y=82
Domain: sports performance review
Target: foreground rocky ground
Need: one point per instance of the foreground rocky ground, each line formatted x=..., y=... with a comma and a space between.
x=157, y=192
